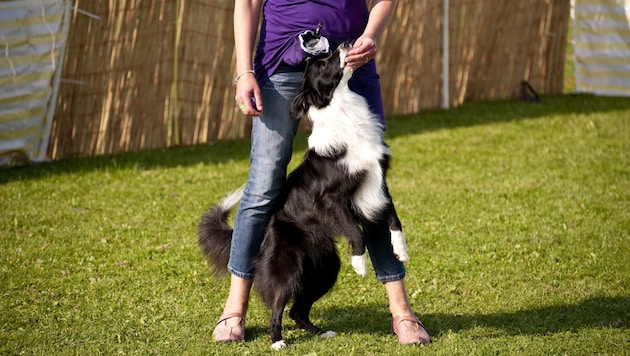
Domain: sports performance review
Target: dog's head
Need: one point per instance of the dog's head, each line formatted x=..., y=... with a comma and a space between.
x=321, y=78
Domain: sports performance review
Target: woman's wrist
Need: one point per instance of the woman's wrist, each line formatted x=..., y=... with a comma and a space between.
x=240, y=75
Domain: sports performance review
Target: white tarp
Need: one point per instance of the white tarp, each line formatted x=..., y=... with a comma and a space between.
x=602, y=46
x=33, y=34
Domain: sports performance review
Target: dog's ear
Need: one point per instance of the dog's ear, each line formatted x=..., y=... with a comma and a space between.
x=300, y=105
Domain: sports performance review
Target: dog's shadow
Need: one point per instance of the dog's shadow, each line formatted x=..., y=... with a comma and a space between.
x=595, y=312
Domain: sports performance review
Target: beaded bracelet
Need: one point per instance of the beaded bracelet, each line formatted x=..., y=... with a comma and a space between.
x=242, y=74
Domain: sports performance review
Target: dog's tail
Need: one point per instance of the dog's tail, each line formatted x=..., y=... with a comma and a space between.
x=215, y=235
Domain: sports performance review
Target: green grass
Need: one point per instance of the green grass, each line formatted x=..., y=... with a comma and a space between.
x=517, y=217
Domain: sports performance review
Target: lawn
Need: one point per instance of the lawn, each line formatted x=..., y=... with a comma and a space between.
x=517, y=217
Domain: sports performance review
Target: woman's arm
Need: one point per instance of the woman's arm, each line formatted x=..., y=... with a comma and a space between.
x=246, y=15
x=364, y=47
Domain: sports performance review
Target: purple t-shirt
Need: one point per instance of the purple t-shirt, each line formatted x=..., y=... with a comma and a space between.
x=342, y=20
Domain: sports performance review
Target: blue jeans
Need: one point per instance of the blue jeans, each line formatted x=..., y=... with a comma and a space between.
x=271, y=151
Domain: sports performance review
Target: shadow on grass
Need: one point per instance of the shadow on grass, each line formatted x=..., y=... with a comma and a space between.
x=257, y=332
x=598, y=312
x=235, y=150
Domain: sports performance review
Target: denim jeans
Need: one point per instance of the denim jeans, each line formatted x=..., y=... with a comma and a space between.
x=271, y=151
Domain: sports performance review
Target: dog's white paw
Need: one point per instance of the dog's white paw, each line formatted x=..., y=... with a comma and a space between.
x=400, y=246
x=328, y=334
x=279, y=345
x=359, y=263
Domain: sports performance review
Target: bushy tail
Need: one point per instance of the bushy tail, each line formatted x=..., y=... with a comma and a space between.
x=215, y=235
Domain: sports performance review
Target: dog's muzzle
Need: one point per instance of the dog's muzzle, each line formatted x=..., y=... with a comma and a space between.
x=343, y=49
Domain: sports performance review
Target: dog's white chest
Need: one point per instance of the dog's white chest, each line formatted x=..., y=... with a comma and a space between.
x=369, y=199
x=353, y=128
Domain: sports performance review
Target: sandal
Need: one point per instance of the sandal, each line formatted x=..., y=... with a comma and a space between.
x=224, y=333
x=410, y=335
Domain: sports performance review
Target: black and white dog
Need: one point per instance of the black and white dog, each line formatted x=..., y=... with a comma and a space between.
x=338, y=189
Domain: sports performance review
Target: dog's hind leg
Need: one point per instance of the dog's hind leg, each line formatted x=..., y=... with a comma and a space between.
x=300, y=314
x=321, y=278
x=275, y=328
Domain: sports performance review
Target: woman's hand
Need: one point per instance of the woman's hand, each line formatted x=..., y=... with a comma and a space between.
x=364, y=48
x=363, y=51
x=248, y=98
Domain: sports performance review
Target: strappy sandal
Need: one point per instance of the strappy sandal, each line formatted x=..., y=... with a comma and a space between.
x=410, y=335
x=224, y=333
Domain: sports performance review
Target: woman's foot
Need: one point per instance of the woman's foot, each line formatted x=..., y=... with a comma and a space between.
x=230, y=327
x=410, y=330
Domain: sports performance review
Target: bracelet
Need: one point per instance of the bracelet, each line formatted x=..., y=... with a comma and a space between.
x=242, y=74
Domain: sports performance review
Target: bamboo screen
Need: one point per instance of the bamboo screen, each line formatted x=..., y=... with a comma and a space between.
x=143, y=74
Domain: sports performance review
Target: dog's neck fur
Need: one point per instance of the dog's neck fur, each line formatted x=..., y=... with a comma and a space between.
x=346, y=124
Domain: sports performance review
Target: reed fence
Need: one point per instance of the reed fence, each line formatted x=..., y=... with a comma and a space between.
x=142, y=74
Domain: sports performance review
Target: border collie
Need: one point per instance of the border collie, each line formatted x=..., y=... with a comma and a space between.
x=338, y=189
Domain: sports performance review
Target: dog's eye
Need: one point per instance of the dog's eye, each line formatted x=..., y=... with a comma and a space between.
x=322, y=65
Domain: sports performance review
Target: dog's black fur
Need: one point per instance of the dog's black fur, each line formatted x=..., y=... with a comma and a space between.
x=322, y=198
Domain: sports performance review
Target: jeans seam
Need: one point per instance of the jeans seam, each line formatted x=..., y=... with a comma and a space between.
x=240, y=274
x=390, y=278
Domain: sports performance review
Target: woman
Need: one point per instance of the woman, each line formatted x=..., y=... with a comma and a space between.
x=273, y=80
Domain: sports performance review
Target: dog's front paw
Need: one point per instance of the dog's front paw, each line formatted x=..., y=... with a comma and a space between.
x=400, y=246
x=359, y=263
x=328, y=334
x=279, y=345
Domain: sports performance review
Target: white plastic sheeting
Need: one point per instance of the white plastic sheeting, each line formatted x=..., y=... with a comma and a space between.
x=602, y=47
x=33, y=34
